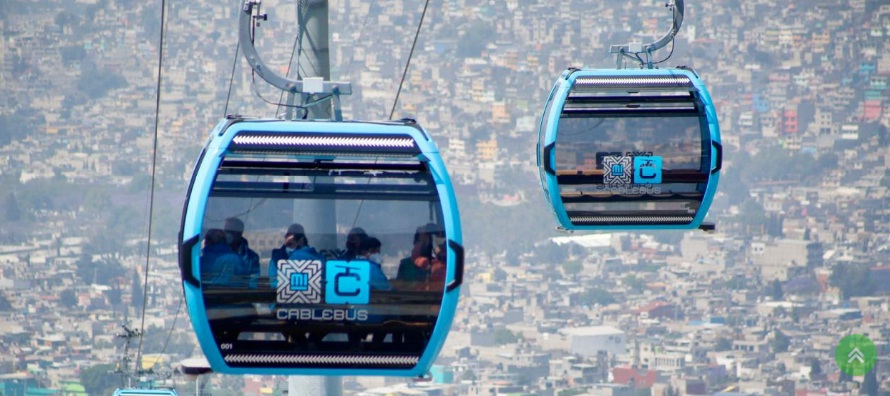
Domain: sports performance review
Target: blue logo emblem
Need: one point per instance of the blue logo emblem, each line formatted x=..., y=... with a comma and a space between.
x=299, y=281
x=347, y=282
x=618, y=171
x=647, y=169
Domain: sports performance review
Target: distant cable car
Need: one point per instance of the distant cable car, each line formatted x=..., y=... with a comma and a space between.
x=357, y=240
x=625, y=149
x=144, y=392
x=630, y=148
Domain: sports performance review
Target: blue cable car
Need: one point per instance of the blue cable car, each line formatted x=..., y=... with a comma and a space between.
x=347, y=255
x=629, y=149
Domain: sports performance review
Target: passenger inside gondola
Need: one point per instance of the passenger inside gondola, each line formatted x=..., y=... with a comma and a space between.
x=370, y=250
x=234, y=229
x=295, y=247
x=354, y=240
x=220, y=266
x=414, y=269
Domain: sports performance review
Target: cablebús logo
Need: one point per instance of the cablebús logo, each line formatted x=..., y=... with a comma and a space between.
x=618, y=171
x=299, y=282
x=347, y=282
x=647, y=169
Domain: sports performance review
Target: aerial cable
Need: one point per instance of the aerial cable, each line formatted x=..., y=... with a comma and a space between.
x=154, y=162
x=401, y=82
x=170, y=333
x=668, y=55
x=297, y=39
x=408, y=63
x=303, y=15
x=361, y=33
x=232, y=78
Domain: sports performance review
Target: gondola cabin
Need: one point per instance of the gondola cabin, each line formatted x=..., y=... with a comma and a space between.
x=629, y=149
x=321, y=248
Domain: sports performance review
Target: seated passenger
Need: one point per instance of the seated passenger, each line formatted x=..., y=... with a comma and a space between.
x=416, y=271
x=370, y=250
x=220, y=266
x=296, y=247
x=234, y=229
x=353, y=240
x=413, y=270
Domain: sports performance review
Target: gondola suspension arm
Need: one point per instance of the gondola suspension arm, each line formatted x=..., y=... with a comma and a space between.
x=292, y=87
x=633, y=50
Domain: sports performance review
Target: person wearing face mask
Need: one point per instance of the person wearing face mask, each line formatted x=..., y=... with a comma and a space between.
x=234, y=229
x=220, y=266
x=370, y=250
x=296, y=247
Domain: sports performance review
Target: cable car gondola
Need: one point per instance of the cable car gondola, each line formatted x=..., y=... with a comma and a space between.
x=630, y=148
x=321, y=313
x=353, y=260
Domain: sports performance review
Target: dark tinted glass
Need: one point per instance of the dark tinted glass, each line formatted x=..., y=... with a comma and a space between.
x=343, y=256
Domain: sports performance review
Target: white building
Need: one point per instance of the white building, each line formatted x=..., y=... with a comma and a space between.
x=587, y=341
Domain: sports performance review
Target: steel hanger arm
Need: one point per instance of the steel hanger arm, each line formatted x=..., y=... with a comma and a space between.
x=624, y=49
x=266, y=73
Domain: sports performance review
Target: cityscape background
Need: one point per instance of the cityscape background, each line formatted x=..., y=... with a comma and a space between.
x=800, y=258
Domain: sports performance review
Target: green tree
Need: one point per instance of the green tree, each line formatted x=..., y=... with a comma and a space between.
x=5, y=305
x=136, y=291
x=72, y=53
x=596, y=295
x=101, y=271
x=722, y=344
x=815, y=368
x=503, y=336
x=474, y=38
x=85, y=268
x=572, y=268
x=100, y=379
x=68, y=298
x=853, y=280
x=634, y=283
x=95, y=82
x=775, y=290
x=753, y=216
x=737, y=282
x=13, y=210
x=870, y=383
x=781, y=342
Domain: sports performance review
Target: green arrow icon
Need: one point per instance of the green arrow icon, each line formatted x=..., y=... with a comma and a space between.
x=855, y=355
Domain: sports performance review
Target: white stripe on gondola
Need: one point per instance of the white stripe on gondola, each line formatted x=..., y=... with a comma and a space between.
x=630, y=219
x=330, y=141
x=327, y=359
x=344, y=153
x=633, y=81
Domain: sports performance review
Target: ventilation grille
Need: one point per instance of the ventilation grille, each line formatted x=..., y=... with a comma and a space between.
x=632, y=82
x=323, y=360
x=612, y=220
x=323, y=144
